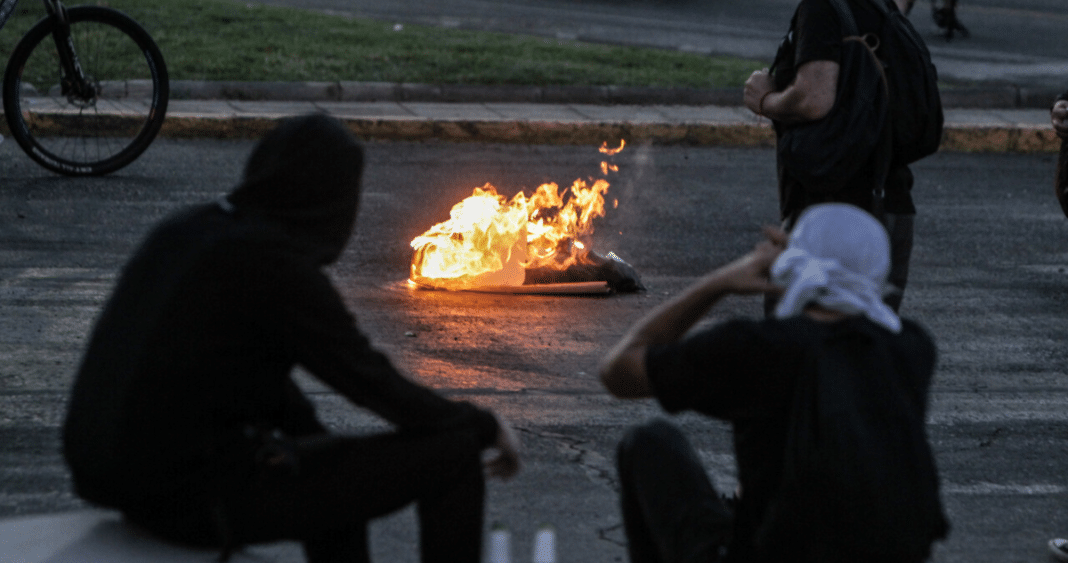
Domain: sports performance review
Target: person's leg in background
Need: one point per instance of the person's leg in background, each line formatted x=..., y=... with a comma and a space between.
x=899, y=228
x=945, y=17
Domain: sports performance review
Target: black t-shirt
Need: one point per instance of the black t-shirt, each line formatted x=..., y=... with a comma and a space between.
x=816, y=35
x=744, y=371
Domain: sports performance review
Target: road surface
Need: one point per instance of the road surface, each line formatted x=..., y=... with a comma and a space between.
x=989, y=275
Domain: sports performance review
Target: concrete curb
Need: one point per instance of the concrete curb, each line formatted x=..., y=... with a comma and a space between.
x=449, y=93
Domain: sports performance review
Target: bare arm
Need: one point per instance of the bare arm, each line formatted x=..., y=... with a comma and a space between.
x=1059, y=118
x=622, y=371
x=810, y=97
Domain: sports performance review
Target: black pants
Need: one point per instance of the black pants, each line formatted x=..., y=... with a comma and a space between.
x=671, y=511
x=337, y=486
x=899, y=228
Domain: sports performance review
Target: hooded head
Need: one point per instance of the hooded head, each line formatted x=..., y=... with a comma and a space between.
x=306, y=174
x=838, y=257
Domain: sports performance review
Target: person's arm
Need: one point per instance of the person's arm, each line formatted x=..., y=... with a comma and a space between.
x=810, y=97
x=319, y=332
x=623, y=372
x=1059, y=116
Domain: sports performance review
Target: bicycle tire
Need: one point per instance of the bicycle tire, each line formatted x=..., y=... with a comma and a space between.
x=96, y=136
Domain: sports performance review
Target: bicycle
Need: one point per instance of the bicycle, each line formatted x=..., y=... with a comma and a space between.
x=92, y=99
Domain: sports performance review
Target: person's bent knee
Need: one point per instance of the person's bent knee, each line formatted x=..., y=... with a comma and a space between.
x=648, y=437
x=654, y=431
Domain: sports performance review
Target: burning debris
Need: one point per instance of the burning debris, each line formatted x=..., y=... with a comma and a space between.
x=536, y=244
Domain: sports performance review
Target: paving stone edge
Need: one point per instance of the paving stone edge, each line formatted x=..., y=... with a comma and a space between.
x=969, y=138
x=996, y=96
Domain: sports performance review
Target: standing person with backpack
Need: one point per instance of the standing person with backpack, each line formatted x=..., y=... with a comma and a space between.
x=1059, y=118
x=827, y=400
x=1058, y=547
x=802, y=89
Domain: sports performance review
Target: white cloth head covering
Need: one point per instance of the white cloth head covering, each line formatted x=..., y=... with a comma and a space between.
x=838, y=257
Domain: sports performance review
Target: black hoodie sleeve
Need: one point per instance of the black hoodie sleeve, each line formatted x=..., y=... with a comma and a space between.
x=319, y=333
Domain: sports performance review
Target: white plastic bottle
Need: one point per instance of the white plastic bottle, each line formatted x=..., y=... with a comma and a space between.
x=545, y=545
x=500, y=545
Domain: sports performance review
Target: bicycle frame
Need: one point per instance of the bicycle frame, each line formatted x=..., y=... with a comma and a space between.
x=7, y=7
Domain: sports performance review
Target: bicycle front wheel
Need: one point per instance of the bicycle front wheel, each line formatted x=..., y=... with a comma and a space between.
x=94, y=130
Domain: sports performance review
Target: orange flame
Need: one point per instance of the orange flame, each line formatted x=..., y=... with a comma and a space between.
x=489, y=240
x=604, y=147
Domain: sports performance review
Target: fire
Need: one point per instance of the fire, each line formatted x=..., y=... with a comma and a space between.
x=490, y=240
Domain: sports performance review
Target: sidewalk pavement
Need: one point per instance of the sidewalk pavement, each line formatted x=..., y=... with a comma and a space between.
x=995, y=119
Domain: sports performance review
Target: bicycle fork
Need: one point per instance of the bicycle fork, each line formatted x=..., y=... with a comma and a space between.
x=73, y=83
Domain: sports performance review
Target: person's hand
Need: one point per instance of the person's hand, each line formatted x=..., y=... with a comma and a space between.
x=749, y=274
x=756, y=87
x=504, y=461
x=1059, y=117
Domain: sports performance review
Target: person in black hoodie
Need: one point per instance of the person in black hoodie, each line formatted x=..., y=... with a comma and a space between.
x=185, y=417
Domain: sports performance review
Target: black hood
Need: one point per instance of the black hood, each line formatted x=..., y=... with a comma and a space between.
x=305, y=174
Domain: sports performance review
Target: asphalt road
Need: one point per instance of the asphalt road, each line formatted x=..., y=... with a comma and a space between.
x=989, y=273
x=1018, y=42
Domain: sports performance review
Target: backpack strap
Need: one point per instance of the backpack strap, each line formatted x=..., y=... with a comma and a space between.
x=884, y=151
x=886, y=146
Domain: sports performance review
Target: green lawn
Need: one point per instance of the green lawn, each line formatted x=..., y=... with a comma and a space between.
x=230, y=40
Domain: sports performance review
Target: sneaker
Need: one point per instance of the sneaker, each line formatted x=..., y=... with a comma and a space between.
x=1059, y=548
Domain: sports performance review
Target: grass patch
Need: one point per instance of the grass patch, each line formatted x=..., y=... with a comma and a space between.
x=231, y=40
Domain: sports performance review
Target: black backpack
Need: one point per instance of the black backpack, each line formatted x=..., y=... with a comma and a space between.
x=916, y=118
x=859, y=481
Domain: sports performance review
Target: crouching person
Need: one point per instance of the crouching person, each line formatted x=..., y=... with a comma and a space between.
x=827, y=400
x=185, y=417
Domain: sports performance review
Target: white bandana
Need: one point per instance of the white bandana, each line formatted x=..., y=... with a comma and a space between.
x=838, y=257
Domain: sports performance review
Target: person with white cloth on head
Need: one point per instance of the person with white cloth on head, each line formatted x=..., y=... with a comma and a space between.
x=830, y=276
